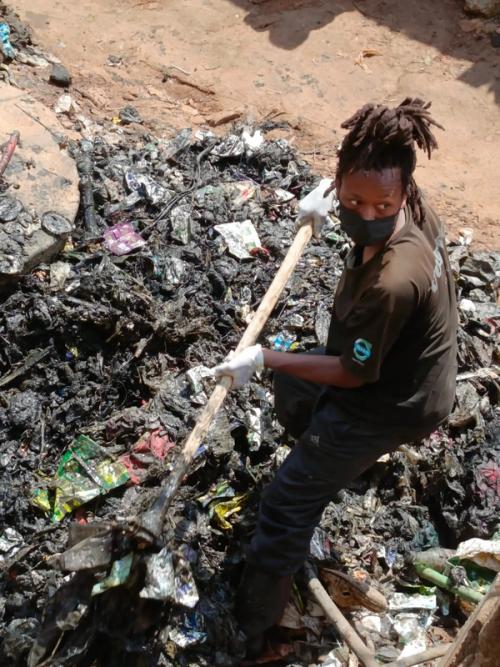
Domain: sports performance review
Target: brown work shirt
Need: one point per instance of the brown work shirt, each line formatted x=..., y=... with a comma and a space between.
x=394, y=326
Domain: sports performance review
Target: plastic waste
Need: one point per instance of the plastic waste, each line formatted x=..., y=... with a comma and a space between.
x=292, y=618
x=404, y=602
x=331, y=660
x=180, y=142
x=223, y=510
x=18, y=638
x=169, y=578
x=174, y=270
x=231, y=146
x=32, y=59
x=186, y=592
x=180, y=217
x=280, y=455
x=196, y=376
x=129, y=114
x=322, y=322
x=411, y=629
x=146, y=187
x=91, y=548
x=240, y=237
x=467, y=409
x=7, y=48
x=320, y=546
x=236, y=194
x=190, y=632
x=122, y=239
x=253, y=422
x=485, y=553
x=126, y=203
x=222, y=503
x=487, y=478
x=84, y=472
x=217, y=493
x=120, y=571
x=253, y=140
x=160, y=577
x=478, y=272
x=411, y=615
x=390, y=556
x=467, y=306
x=59, y=274
x=465, y=236
x=65, y=104
x=283, y=342
x=10, y=543
x=149, y=449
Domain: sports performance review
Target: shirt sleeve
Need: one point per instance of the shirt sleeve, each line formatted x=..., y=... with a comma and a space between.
x=372, y=327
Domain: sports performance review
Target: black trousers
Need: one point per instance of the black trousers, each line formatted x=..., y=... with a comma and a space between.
x=330, y=452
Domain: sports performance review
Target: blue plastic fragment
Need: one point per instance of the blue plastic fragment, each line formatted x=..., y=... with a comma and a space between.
x=7, y=48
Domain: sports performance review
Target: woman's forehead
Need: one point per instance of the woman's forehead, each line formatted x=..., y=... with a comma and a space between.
x=386, y=181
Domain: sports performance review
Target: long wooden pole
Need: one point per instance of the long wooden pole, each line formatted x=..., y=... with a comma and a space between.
x=150, y=524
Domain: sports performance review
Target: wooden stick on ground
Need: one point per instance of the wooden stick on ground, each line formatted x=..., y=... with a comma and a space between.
x=333, y=613
x=150, y=524
x=481, y=628
x=417, y=659
x=351, y=637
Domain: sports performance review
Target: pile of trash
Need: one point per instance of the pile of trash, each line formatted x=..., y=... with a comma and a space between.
x=17, y=46
x=104, y=365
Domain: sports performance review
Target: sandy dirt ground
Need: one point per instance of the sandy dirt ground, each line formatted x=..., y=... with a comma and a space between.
x=206, y=62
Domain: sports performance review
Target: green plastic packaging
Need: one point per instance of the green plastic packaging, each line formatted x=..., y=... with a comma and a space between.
x=85, y=471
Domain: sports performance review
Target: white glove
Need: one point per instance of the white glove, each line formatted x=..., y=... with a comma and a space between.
x=315, y=206
x=241, y=367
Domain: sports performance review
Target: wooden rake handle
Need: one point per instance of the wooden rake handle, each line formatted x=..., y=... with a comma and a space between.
x=150, y=524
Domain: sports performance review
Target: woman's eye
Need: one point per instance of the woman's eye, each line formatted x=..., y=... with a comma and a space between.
x=353, y=202
x=383, y=207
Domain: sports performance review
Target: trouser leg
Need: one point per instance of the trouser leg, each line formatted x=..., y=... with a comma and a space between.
x=329, y=455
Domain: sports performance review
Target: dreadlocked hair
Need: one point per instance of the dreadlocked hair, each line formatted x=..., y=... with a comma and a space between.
x=381, y=138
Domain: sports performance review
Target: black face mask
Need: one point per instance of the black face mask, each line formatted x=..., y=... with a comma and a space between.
x=366, y=232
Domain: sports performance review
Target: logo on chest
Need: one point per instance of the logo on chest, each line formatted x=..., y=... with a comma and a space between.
x=362, y=350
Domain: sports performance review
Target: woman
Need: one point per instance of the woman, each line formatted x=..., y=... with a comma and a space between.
x=388, y=373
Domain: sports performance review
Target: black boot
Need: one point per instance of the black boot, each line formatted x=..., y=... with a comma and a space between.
x=260, y=602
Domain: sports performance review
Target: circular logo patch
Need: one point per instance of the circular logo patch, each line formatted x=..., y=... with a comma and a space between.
x=362, y=349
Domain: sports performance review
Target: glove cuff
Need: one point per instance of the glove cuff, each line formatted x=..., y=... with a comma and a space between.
x=259, y=358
